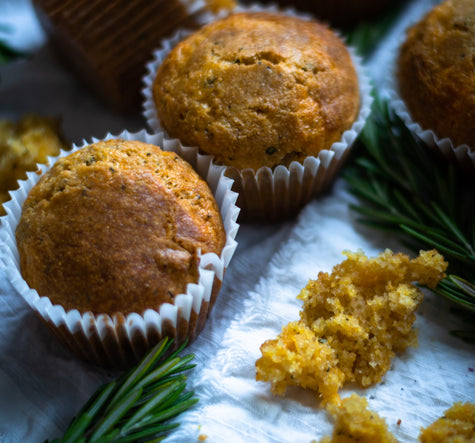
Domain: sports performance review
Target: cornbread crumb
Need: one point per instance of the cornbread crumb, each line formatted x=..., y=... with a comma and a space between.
x=456, y=426
x=352, y=323
x=23, y=144
x=354, y=422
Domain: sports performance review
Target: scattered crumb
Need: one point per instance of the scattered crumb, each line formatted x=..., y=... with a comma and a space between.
x=23, y=144
x=456, y=426
x=354, y=422
x=352, y=323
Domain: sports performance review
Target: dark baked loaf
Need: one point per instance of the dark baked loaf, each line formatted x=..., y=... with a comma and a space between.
x=436, y=71
x=340, y=13
x=116, y=227
x=258, y=89
x=108, y=42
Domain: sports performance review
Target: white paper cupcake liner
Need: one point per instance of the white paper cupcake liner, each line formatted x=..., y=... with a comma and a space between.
x=120, y=340
x=273, y=194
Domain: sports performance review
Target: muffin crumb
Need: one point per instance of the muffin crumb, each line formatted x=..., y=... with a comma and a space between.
x=355, y=422
x=457, y=425
x=352, y=323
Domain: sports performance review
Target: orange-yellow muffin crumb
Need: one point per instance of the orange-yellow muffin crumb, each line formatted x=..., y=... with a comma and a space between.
x=354, y=422
x=23, y=144
x=352, y=323
x=456, y=426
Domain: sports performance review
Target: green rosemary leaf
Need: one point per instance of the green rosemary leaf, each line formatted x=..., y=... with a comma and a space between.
x=365, y=36
x=140, y=370
x=137, y=406
x=116, y=413
x=467, y=336
x=467, y=247
x=86, y=415
x=162, y=393
x=145, y=434
x=403, y=188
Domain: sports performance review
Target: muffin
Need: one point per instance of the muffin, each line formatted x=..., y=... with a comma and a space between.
x=121, y=243
x=259, y=91
x=107, y=43
x=436, y=72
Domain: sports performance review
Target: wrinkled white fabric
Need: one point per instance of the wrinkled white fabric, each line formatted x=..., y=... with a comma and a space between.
x=42, y=385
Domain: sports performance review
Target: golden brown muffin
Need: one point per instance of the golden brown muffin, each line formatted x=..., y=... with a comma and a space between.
x=116, y=227
x=436, y=71
x=258, y=89
x=23, y=144
x=108, y=42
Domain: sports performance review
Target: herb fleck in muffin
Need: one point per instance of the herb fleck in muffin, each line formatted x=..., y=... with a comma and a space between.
x=116, y=227
x=258, y=89
x=436, y=71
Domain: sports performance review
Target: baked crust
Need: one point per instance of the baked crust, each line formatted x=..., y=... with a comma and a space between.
x=436, y=71
x=258, y=89
x=116, y=227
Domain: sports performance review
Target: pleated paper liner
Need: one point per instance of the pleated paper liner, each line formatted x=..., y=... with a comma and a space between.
x=120, y=340
x=273, y=194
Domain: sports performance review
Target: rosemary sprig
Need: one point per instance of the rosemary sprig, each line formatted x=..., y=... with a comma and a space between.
x=366, y=35
x=405, y=189
x=137, y=406
x=7, y=53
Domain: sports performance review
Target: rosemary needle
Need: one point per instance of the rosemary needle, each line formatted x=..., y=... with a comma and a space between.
x=137, y=406
x=403, y=187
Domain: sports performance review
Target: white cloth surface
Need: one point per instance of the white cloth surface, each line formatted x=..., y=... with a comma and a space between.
x=42, y=385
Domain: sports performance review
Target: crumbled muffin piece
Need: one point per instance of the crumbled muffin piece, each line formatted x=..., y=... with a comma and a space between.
x=352, y=323
x=23, y=144
x=354, y=422
x=299, y=357
x=456, y=426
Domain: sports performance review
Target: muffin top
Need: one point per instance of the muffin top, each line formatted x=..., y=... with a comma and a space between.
x=116, y=227
x=258, y=89
x=436, y=71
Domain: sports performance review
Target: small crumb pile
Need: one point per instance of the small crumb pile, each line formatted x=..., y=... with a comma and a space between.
x=352, y=323
x=354, y=422
x=456, y=426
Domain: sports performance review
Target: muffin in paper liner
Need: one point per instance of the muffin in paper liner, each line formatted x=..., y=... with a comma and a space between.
x=273, y=194
x=461, y=154
x=120, y=340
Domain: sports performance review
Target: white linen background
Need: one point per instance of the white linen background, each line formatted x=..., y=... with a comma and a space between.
x=42, y=385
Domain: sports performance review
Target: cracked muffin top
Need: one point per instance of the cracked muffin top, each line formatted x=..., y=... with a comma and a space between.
x=258, y=89
x=436, y=71
x=116, y=227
